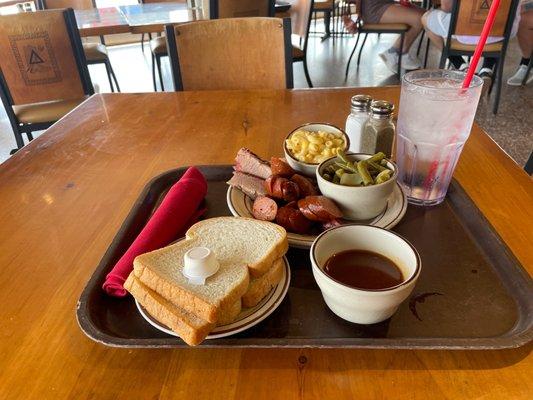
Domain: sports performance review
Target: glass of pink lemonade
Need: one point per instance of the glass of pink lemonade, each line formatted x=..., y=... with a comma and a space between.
x=434, y=121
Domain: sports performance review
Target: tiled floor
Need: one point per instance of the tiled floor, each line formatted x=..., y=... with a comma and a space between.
x=511, y=128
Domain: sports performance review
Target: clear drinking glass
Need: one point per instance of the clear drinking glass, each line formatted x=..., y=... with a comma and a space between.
x=434, y=121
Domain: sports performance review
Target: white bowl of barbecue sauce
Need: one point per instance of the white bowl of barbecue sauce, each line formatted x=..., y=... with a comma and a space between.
x=364, y=272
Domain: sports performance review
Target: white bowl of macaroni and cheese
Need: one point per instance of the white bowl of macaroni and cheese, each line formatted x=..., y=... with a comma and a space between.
x=310, y=144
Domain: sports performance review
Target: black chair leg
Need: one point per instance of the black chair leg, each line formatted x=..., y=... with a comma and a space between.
x=529, y=163
x=114, y=76
x=306, y=72
x=361, y=50
x=153, y=72
x=18, y=139
x=427, y=53
x=327, y=21
x=142, y=43
x=158, y=64
x=351, y=55
x=420, y=43
x=30, y=136
x=107, y=68
x=443, y=57
x=402, y=37
x=498, y=83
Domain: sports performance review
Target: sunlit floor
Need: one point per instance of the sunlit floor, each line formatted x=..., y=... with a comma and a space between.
x=511, y=128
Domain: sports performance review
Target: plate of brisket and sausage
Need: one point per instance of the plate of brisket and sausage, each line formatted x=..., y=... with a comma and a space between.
x=273, y=191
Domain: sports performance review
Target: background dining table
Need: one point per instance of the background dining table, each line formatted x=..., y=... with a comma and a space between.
x=65, y=195
x=140, y=18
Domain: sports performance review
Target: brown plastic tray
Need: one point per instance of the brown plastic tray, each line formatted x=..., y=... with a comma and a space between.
x=472, y=292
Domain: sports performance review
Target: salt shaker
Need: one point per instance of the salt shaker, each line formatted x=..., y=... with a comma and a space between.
x=378, y=131
x=356, y=120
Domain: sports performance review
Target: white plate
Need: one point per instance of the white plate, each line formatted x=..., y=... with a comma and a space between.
x=246, y=319
x=240, y=205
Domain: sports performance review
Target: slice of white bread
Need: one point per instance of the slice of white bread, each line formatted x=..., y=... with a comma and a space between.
x=259, y=287
x=188, y=326
x=192, y=329
x=257, y=243
x=239, y=244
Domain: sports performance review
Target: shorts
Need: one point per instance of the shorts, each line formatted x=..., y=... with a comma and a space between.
x=374, y=9
x=438, y=22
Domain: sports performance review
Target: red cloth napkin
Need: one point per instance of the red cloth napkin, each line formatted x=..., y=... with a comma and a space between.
x=177, y=212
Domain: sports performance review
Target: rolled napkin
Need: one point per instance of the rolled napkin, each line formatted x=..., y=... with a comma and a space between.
x=176, y=213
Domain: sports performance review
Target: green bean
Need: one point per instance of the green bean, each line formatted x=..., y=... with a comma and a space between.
x=336, y=179
x=376, y=166
x=384, y=163
x=351, y=180
x=383, y=176
x=363, y=171
x=327, y=177
x=339, y=172
x=345, y=167
x=342, y=156
x=376, y=157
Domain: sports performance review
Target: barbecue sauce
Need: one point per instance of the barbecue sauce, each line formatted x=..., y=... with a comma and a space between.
x=363, y=269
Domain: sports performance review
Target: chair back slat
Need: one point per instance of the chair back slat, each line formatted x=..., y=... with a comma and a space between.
x=74, y=4
x=240, y=8
x=38, y=62
x=473, y=13
x=228, y=54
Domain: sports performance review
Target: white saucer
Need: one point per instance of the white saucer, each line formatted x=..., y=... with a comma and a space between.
x=246, y=319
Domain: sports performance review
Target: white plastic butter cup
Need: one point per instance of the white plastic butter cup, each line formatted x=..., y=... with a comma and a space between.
x=364, y=306
x=199, y=264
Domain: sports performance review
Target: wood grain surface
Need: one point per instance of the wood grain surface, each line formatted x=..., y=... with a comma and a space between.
x=64, y=196
x=231, y=53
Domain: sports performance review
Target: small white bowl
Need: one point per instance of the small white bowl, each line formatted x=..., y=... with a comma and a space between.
x=310, y=168
x=357, y=202
x=364, y=306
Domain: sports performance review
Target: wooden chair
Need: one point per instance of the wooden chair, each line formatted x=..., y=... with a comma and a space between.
x=467, y=20
x=217, y=9
x=300, y=14
x=231, y=53
x=95, y=53
x=43, y=71
x=366, y=29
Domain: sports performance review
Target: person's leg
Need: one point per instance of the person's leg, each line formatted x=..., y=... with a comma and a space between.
x=434, y=38
x=397, y=14
x=525, y=41
x=525, y=33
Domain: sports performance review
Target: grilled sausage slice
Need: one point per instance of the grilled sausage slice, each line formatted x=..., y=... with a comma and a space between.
x=282, y=188
x=319, y=208
x=306, y=185
x=265, y=209
x=280, y=167
x=293, y=220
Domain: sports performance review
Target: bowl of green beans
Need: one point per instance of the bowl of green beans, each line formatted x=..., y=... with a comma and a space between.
x=359, y=183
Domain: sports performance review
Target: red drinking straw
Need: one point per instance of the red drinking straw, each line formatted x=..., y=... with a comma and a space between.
x=489, y=22
x=487, y=27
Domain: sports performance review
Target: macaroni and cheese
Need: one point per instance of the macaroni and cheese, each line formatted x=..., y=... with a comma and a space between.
x=314, y=147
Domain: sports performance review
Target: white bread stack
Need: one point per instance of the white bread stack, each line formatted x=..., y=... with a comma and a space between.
x=249, y=253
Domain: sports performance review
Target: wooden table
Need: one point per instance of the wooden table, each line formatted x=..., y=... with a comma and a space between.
x=65, y=195
x=139, y=18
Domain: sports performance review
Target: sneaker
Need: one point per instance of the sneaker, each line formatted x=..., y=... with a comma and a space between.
x=463, y=67
x=390, y=58
x=409, y=62
x=518, y=77
x=486, y=75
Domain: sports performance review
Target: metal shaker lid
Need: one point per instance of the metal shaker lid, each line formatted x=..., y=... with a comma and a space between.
x=381, y=108
x=361, y=101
